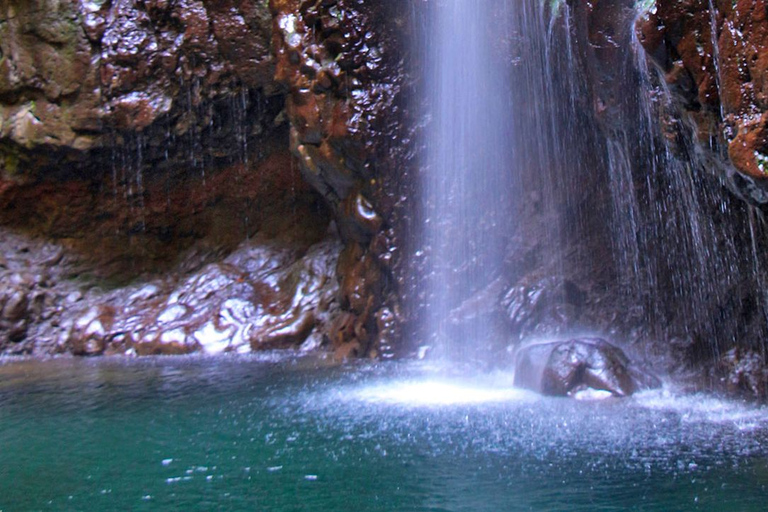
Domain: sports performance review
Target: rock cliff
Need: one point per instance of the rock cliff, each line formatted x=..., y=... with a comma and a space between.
x=713, y=56
x=144, y=150
x=346, y=66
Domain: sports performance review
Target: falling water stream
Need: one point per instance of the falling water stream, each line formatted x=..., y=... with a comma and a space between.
x=467, y=181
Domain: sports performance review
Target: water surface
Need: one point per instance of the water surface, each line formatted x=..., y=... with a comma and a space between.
x=277, y=433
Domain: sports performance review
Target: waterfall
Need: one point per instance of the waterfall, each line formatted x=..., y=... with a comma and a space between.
x=507, y=145
x=677, y=224
x=466, y=185
x=548, y=168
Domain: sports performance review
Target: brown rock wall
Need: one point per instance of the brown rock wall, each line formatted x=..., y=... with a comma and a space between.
x=344, y=64
x=144, y=141
x=130, y=129
x=72, y=71
x=714, y=58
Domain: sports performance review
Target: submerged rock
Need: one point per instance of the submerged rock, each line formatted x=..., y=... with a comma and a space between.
x=579, y=367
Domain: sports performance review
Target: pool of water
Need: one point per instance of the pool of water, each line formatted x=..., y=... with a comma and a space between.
x=289, y=433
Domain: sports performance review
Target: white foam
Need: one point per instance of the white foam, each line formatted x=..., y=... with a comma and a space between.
x=436, y=392
x=701, y=408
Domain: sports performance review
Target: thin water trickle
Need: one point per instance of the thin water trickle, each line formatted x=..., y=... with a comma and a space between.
x=715, y=38
x=239, y=105
x=115, y=184
x=139, y=176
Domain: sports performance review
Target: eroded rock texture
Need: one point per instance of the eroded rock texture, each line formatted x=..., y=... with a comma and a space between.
x=142, y=143
x=343, y=62
x=72, y=70
x=714, y=57
x=130, y=127
x=262, y=296
x=265, y=294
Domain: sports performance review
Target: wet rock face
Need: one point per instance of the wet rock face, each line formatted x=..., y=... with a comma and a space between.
x=144, y=141
x=72, y=71
x=266, y=294
x=26, y=298
x=22, y=300
x=342, y=62
x=260, y=297
x=544, y=306
x=579, y=367
x=129, y=130
x=129, y=222
x=717, y=64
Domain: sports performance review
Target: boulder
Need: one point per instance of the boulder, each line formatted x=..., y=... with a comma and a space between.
x=577, y=368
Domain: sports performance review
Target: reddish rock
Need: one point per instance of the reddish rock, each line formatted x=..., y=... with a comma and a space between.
x=342, y=63
x=144, y=137
x=73, y=73
x=717, y=63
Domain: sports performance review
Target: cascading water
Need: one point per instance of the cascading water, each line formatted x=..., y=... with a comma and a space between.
x=696, y=280
x=467, y=182
x=538, y=176
x=507, y=144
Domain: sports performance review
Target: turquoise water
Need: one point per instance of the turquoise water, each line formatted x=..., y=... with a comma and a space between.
x=278, y=433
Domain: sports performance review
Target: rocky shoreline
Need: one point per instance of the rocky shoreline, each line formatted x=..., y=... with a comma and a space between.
x=265, y=294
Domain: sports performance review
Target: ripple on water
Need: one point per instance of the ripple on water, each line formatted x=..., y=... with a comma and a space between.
x=703, y=408
x=281, y=434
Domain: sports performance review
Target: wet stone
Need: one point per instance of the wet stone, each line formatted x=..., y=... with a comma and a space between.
x=543, y=306
x=170, y=342
x=89, y=334
x=16, y=305
x=260, y=297
x=578, y=368
x=745, y=372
